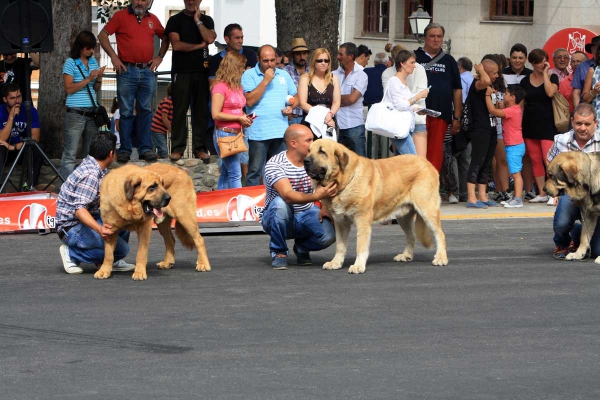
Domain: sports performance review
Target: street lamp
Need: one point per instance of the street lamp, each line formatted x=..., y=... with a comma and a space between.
x=419, y=20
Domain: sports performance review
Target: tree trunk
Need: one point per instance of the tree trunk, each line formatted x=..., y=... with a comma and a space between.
x=316, y=21
x=69, y=17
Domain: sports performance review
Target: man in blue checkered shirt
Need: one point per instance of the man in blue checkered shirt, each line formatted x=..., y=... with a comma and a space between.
x=78, y=221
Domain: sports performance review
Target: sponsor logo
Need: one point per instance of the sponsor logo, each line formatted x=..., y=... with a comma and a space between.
x=242, y=208
x=35, y=216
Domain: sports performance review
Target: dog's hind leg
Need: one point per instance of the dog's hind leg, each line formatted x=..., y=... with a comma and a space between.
x=342, y=231
x=406, y=221
x=587, y=230
x=187, y=231
x=431, y=217
x=165, y=230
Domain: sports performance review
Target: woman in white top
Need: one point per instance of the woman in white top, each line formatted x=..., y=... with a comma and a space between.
x=399, y=94
x=416, y=82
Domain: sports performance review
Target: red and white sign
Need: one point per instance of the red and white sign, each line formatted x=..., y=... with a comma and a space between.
x=572, y=39
x=37, y=210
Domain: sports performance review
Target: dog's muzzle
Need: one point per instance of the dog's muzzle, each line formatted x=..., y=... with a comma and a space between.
x=315, y=172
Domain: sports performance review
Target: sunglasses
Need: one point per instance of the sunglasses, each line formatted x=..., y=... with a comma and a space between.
x=322, y=60
x=89, y=47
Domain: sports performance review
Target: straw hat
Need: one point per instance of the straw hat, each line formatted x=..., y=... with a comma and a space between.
x=298, y=44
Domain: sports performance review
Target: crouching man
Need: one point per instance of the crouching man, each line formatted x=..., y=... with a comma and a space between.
x=290, y=212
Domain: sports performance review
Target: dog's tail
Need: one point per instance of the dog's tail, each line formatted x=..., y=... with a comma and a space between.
x=186, y=240
x=422, y=232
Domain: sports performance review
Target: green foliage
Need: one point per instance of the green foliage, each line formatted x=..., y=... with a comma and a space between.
x=106, y=8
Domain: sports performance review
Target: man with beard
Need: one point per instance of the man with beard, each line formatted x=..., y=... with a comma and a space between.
x=13, y=70
x=299, y=56
x=135, y=64
x=190, y=32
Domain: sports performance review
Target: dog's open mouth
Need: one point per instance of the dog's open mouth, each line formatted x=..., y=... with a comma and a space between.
x=149, y=209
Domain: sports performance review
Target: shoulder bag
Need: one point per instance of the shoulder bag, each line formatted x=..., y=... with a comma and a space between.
x=231, y=145
x=560, y=109
x=384, y=120
x=101, y=119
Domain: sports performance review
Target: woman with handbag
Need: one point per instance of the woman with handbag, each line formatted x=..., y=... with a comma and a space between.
x=319, y=87
x=591, y=87
x=228, y=102
x=82, y=77
x=399, y=94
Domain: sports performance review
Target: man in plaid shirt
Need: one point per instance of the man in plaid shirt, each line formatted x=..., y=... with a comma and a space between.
x=585, y=136
x=78, y=221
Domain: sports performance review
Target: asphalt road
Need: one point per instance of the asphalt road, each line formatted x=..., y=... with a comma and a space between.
x=503, y=320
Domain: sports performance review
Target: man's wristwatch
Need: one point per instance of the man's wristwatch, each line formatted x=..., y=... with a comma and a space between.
x=199, y=23
x=456, y=119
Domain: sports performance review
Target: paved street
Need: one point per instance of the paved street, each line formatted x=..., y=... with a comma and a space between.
x=503, y=321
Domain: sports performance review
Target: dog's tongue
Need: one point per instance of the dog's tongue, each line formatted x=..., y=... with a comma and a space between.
x=157, y=212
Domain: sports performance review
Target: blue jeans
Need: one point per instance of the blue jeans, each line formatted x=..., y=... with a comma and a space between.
x=354, y=139
x=281, y=223
x=565, y=228
x=260, y=152
x=87, y=246
x=76, y=127
x=231, y=168
x=405, y=146
x=297, y=120
x=136, y=85
x=159, y=141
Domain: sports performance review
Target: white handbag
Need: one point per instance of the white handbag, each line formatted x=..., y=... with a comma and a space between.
x=383, y=119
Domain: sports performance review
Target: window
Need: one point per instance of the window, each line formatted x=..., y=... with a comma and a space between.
x=377, y=16
x=515, y=10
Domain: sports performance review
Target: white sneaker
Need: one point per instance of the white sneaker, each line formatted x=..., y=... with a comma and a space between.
x=539, y=199
x=70, y=266
x=452, y=199
x=551, y=202
x=123, y=266
x=514, y=203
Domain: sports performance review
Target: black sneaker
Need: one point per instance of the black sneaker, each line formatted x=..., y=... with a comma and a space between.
x=302, y=258
x=123, y=158
x=149, y=156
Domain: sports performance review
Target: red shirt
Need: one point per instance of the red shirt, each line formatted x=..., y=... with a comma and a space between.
x=565, y=88
x=135, y=38
x=513, y=134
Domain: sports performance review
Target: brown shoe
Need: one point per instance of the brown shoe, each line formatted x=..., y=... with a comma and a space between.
x=204, y=156
x=175, y=156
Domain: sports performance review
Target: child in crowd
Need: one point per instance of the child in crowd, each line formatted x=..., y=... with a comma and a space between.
x=514, y=145
x=161, y=125
x=114, y=120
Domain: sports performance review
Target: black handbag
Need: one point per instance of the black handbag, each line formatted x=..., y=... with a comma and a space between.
x=466, y=118
x=101, y=119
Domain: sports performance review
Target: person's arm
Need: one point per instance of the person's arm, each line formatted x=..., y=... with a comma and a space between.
x=35, y=60
x=5, y=132
x=303, y=93
x=549, y=87
x=290, y=196
x=337, y=96
x=184, y=47
x=576, y=97
x=484, y=79
x=86, y=218
x=35, y=134
x=165, y=116
x=72, y=87
x=255, y=95
x=458, y=105
x=117, y=125
x=588, y=96
x=496, y=112
x=114, y=58
x=218, y=99
x=164, y=46
x=349, y=99
x=208, y=35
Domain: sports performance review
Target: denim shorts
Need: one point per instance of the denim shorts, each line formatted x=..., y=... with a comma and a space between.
x=514, y=157
x=420, y=128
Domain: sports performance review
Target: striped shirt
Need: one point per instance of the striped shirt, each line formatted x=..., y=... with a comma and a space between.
x=270, y=122
x=80, y=98
x=566, y=142
x=279, y=167
x=165, y=107
x=80, y=190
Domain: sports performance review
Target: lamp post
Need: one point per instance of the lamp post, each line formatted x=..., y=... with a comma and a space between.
x=419, y=20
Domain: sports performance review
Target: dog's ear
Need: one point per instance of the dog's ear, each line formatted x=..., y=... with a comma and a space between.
x=571, y=172
x=131, y=185
x=342, y=158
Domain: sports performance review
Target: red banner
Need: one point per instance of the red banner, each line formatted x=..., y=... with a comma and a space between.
x=571, y=39
x=37, y=210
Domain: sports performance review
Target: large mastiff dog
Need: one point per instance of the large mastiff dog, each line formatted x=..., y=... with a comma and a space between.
x=131, y=197
x=404, y=187
x=578, y=175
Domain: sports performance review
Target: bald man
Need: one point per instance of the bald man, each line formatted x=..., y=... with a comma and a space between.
x=483, y=136
x=290, y=212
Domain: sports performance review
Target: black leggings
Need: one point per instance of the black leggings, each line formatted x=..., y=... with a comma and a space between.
x=483, y=147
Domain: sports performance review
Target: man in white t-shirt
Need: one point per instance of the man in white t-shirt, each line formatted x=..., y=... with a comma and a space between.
x=290, y=212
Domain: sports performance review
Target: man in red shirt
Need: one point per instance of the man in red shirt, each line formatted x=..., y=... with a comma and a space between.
x=135, y=28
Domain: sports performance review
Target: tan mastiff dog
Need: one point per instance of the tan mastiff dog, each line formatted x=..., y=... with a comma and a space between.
x=405, y=187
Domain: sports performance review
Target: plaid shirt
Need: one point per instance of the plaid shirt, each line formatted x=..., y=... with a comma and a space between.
x=290, y=69
x=566, y=142
x=80, y=190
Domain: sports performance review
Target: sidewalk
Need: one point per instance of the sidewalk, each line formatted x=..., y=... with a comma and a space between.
x=529, y=210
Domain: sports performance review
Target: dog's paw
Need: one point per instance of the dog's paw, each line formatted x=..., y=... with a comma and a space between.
x=597, y=260
x=331, y=265
x=165, y=265
x=357, y=269
x=439, y=261
x=203, y=267
x=574, y=256
x=403, y=257
x=139, y=276
x=102, y=274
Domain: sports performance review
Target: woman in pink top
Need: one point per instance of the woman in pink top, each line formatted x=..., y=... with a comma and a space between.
x=228, y=102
